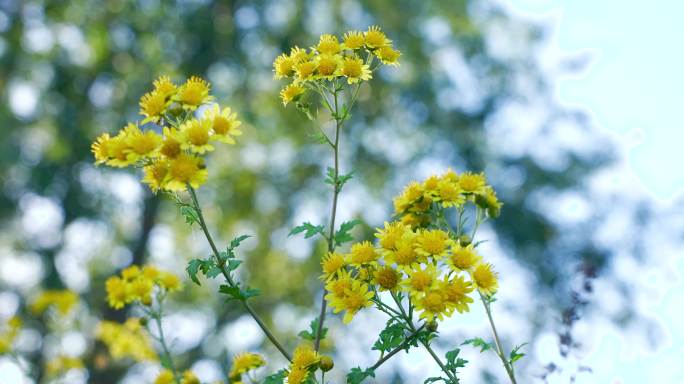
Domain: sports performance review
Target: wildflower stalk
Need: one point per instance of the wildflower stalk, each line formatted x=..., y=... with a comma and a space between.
x=157, y=316
x=499, y=350
x=229, y=279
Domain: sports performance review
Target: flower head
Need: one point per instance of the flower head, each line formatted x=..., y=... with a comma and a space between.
x=291, y=93
x=328, y=44
x=485, y=278
x=355, y=70
x=375, y=38
x=196, y=134
x=245, y=362
x=224, y=124
x=353, y=40
x=194, y=93
x=153, y=105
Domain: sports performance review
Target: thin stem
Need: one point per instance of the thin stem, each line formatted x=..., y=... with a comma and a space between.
x=396, y=350
x=333, y=214
x=229, y=279
x=497, y=341
x=157, y=316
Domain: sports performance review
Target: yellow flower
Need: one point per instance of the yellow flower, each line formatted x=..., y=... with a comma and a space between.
x=155, y=174
x=194, y=93
x=130, y=273
x=100, y=148
x=126, y=340
x=186, y=169
x=165, y=86
x=375, y=38
x=196, y=134
x=357, y=297
x=118, y=151
x=299, y=55
x=391, y=234
x=387, y=278
x=152, y=106
x=169, y=281
x=61, y=365
x=305, y=70
x=304, y=356
x=388, y=55
x=332, y=264
x=456, y=291
x=430, y=186
x=62, y=300
x=463, y=258
x=224, y=123
x=327, y=65
x=291, y=93
x=245, y=362
x=117, y=292
x=283, y=66
x=297, y=375
x=355, y=70
x=353, y=40
x=140, y=290
x=404, y=254
x=141, y=145
x=8, y=333
x=450, y=193
x=328, y=44
x=362, y=253
x=432, y=303
x=420, y=279
x=472, y=182
x=434, y=243
x=171, y=146
x=189, y=378
x=165, y=377
x=338, y=287
x=488, y=201
x=150, y=272
x=485, y=279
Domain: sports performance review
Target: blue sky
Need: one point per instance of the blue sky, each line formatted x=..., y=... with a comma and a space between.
x=634, y=85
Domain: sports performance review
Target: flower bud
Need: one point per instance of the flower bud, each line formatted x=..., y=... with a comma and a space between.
x=326, y=363
x=175, y=109
x=432, y=326
x=143, y=321
x=464, y=240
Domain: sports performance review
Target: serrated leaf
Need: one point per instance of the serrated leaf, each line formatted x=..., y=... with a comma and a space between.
x=276, y=378
x=190, y=214
x=212, y=271
x=338, y=182
x=192, y=269
x=308, y=229
x=434, y=380
x=251, y=292
x=233, y=264
x=310, y=334
x=390, y=337
x=233, y=292
x=236, y=241
x=515, y=355
x=478, y=342
x=342, y=235
x=357, y=375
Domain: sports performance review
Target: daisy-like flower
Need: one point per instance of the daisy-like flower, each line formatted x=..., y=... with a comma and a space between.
x=245, y=362
x=224, y=123
x=283, y=66
x=339, y=287
x=332, y=264
x=142, y=145
x=100, y=148
x=391, y=234
x=305, y=356
x=375, y=38
x=305, y=70
x=489, y=202
x=117, y=292
x=359, y=296
x=420, y=280
x=196, y=134
x=485, y=278
x=353, y=40
x=387, y=278
x=165, y=86
x=291, y=93
x=362, y=253
x=388, y=55
x=463, y=258
x=171, y=145
x=328, y=65
x=299, y=55
x=431, y=304
x=456, y=291
x=194, y=93
x=152, y=106
x=430, y=186
x=472, y=182
x=186, y=169
x=61, y=300
x=449, y=193
x=355, y=70
x=328, y=44
x=433, y=243
x=118, y=149
x=297, y=375
x=404, y=254
x=165, y=377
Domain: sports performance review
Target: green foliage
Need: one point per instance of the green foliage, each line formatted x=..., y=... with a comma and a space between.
x=235, y=293
x=340, y=181
x=390, y=338
x=276, y=378
x=358, y=375
x=209, y=266
x=478, y=342
x=311, y=333
x=454, y=363
x=342, y=235
x=309, y=230
x=189, y=213
x=515, y=354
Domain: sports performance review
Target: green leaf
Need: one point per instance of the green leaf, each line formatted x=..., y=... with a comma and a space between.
x=165, y=361
x=233, y=264
x=236, y=241
x=340, y=181
x=454, y=363
x=342, y=235
x=250, y=292
x=309, y=229
x=310, y=334
x=434, y=380
x=276, y=378
x=357, y=375
x=212, y=271
x=390, y=337
x=515, y=354
x=190, y=214
x=478, y=342
x=192, y=269
x=233, y=292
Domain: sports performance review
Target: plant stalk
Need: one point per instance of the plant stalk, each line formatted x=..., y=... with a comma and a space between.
x=499, y=350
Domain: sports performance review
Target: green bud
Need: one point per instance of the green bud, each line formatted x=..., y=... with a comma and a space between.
x=464, y=240
x=432, y=326
x=175, y=109
x=143, y=321
x=326, y=363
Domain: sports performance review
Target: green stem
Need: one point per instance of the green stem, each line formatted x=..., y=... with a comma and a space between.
x=229, y=279
x=396, y=350
x=157, y=316
x=499, y=350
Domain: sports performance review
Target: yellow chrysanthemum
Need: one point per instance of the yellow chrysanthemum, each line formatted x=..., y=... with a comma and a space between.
x=142, y=145
x=194, y=93
x=375, y=38
x=155, y=174
x=456, y=291
x=355, y=70
x=339, y=287
x=100, y=148
x=224, y=124
x=165, y=86
x=404, y=255
x=131, y=273
x=140, y=290
x=165, y=377
x=128, y=340
x=283, y=66
x=388, y=55
x=299, y=55
x=169, y=281
x=118, y=150
x=362, y=253
x=327, y=65
x=472, y=182
x=196, y=134
x=420, y=279
x=433, y=243
x=189, y=378
x=117, y=292
x=353, y=40
x=245, y=362
x=450, y=193
x=184, y=170
x=63, y=301
x=485, y=278
x=305, y=70
x=152, y=106
x=61, y=365
x=297, y=375
x=387, y=278
x=430, y=186
x=391, y=234
x=291, y=93
x=488, y=201
x=304, y=356
x=171, y=145
x=332, y=264
x=328, y=44
x=357, y=297
x=463, y=258
x=431, y=304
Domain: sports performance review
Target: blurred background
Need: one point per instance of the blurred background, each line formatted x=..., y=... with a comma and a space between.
x=572, y=110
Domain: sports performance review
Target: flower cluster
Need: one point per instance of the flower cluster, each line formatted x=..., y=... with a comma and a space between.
x=63, y=301
x=129, y=339
x=166, y=377
x=137, y=285
x=419, y=255
x=9, y=332
x=351, y=58
x=243, y=363
x=62, y=364
x=304, y=362
x=171, y=150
